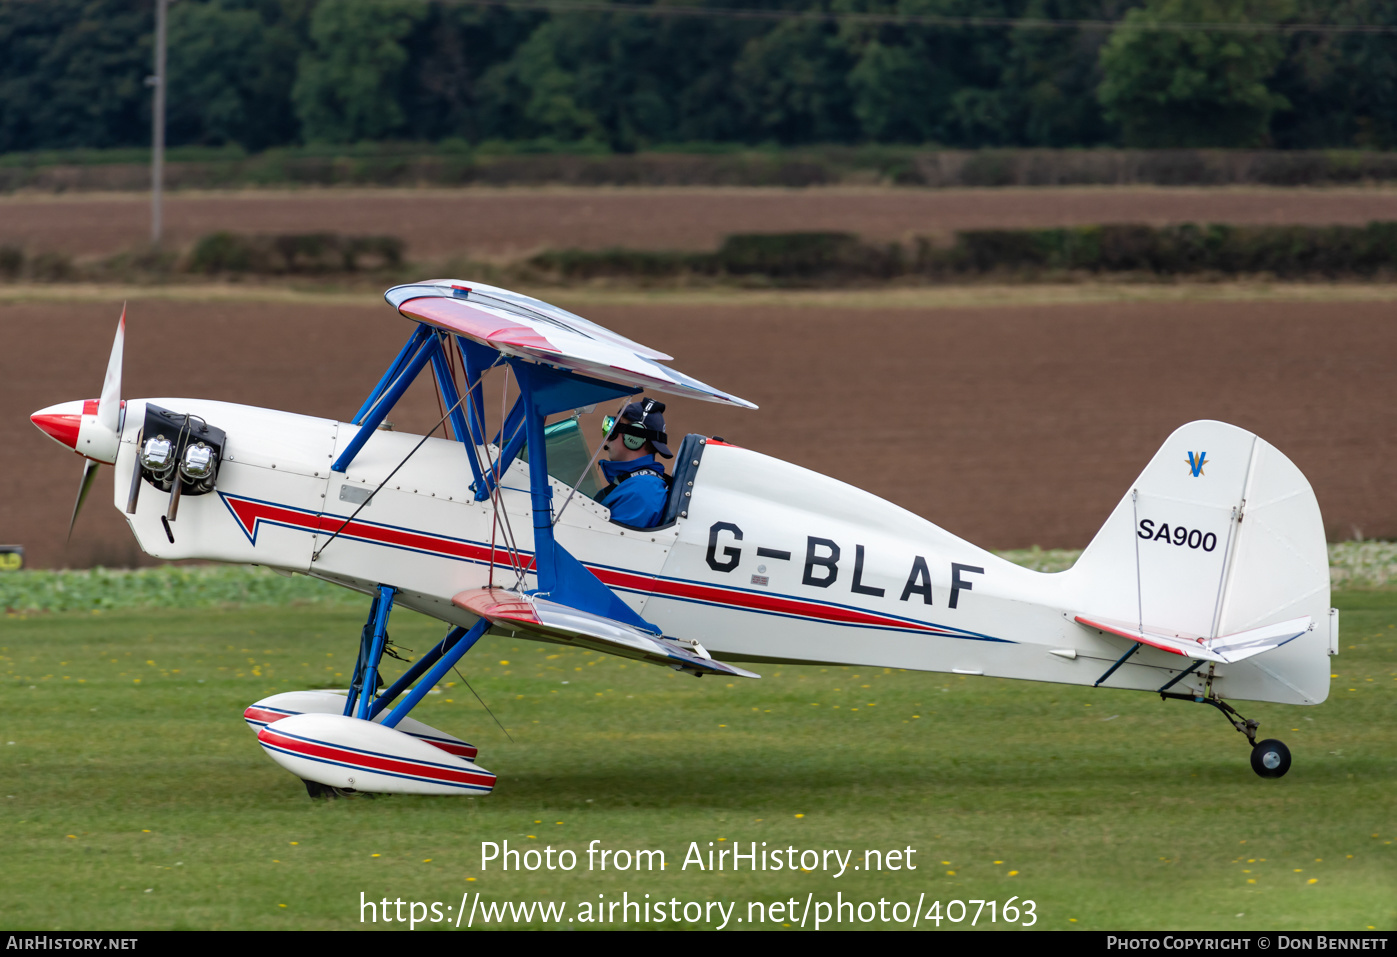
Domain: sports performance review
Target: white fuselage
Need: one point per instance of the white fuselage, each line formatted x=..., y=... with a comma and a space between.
x=768, y=562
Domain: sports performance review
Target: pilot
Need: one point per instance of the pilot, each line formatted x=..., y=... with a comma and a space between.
x=637, y=487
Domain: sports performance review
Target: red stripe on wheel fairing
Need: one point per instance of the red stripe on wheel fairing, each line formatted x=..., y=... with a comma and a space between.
x=369, y=761
x=265, y=715
x=451, y=747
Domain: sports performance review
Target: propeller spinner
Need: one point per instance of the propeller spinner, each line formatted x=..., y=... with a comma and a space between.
x=90, y=427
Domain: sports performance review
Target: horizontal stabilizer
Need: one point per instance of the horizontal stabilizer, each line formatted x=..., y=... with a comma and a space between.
x=1226, y=648
x=552, y=621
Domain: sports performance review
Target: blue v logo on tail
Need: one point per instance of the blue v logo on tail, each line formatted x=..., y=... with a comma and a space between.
x=1196, y=465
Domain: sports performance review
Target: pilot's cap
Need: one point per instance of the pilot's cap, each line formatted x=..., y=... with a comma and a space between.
x=654, y=421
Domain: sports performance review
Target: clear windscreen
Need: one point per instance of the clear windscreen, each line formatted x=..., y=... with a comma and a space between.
x=568, y=455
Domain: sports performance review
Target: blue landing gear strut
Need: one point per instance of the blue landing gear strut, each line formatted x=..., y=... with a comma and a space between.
x=364, y=701
x=364, y=685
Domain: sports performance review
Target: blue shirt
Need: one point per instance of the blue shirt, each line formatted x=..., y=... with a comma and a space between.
x=639, y=499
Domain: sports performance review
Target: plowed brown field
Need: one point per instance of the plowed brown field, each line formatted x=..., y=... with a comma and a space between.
x=437, y=224
x=1010, y=426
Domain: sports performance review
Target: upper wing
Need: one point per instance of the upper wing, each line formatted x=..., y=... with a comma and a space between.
x=518, y=325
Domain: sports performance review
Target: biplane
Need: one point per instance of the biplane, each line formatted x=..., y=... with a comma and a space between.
x=1208, y=583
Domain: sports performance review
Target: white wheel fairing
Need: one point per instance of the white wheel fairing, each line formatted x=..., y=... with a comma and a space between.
x=283, y=705
x=349, y=753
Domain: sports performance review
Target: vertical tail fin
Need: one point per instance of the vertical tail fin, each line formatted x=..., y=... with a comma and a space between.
x=1220, y=534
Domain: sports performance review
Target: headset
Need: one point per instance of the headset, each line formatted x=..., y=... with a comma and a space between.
x=634, y=436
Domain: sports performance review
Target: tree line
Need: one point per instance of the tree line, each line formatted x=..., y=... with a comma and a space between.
x=265, y=73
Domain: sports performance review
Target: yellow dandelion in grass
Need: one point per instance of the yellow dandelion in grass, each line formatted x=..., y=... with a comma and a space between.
x=73, y=836
x=426, y=860
x=1314, y=880
x=1072, y=920
x=532, y=837
x=375, y=855
x=1013, y=873
x=999, y=862
x=800, y=815
x=504, y=662
x=294, y=843
x=281, y=905
x=470, y=878
x=950, y=873
x=1251, y=880
x=145, y=830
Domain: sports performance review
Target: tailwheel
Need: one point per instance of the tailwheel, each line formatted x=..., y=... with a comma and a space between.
x=1270, y=758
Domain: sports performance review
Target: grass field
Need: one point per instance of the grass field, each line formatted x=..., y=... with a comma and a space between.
x=134, y=797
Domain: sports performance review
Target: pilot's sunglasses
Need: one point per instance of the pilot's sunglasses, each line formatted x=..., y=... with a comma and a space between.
x=609, y=424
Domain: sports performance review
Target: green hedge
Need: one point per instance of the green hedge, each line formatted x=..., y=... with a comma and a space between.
x=1288, y=252
x=802, y=258
x=1283, y=251
x=781, y=256
x=293, y=253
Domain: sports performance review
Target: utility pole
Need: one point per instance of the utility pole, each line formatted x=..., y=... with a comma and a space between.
x=157, y=124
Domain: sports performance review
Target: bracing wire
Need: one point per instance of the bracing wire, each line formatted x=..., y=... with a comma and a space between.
x=321, y=550
x=497, y=497
x=595, y=455
x=482, y=703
